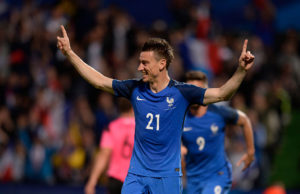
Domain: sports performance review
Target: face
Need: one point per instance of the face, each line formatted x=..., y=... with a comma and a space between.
x=149, y=66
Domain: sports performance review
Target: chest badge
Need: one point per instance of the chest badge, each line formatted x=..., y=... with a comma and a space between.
x=214, y=128
x=170, y=101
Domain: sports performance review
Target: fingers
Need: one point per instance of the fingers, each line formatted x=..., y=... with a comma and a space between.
x=246, y=165
x=247, y=162
x=239, y=162
x=248, y=56
x=58, y=39
x=63, y=31
x=245, y=46
x=59, y=43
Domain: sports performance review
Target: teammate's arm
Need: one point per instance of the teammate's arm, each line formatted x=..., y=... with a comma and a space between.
x=245, y=123
x=183, y=150
x=95, y=78
x=226, y=91
x=99, y=166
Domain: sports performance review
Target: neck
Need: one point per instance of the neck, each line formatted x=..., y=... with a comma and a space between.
x=200, y=111
x=159, y=84
x=127, y=114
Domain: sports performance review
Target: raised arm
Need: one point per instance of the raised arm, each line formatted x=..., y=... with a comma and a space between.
x=100, y=164
x=226, y=91
x=87, y=72
x=245, y=123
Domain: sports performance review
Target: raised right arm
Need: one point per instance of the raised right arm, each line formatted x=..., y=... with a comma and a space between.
x=226, y=91
x=95, y=78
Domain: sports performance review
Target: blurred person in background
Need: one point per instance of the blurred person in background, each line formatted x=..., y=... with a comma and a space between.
x=105, y=111
x=12, y=152
x=155, y=99
x=116, y=148
x=207, y=167
x=38, y=147
x=74, y=153
x=69, y=160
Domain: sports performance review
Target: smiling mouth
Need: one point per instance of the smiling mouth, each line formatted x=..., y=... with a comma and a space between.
x=143, y=75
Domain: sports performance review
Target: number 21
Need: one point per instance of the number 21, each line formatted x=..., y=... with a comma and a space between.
x=149, y=126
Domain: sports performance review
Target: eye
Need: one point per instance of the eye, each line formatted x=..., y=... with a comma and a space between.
x=144, y=62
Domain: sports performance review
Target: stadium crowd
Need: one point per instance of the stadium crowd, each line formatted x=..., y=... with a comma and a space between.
x=51, y=120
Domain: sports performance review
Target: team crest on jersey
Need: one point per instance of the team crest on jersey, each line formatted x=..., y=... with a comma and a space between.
x=214, y=128
x=217, y=189
x=170, y=101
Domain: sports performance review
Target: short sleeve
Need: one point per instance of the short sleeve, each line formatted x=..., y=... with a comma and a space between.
x=192, y=93
x=124, y=88
x=106, y=140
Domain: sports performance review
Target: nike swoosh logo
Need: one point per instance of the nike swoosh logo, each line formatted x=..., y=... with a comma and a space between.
x=185, y=129
x=140, y=99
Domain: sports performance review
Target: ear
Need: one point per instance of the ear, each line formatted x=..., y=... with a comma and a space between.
x=162, y=64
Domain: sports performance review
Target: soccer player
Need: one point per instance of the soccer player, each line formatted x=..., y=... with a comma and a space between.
x=116, y=149
x=159, y=105
x=207, y=168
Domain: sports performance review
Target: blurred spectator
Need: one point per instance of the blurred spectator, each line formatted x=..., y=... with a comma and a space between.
x=105, y=112
x=12, y=162
x=116, y=147
x=38, y=167
x=69, y=159
x=289, y=64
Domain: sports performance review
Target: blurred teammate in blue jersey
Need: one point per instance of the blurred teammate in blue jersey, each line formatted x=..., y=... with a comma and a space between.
x=207, y=168
x=159, y=104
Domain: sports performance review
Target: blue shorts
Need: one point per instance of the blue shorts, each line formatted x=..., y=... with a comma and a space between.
x=151, y=185
x=218, y=183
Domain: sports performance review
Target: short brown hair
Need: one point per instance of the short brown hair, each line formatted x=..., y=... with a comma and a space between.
x=196, y=75
x=161, y=47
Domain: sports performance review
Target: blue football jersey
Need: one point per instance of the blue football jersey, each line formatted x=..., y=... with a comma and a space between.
x=159, y=120
x=204, y=138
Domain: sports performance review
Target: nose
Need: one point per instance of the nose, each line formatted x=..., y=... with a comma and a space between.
x=140, y=67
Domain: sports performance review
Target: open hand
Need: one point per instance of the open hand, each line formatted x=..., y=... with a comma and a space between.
x=63, y=43
x=246, y=59
x=247, y=159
